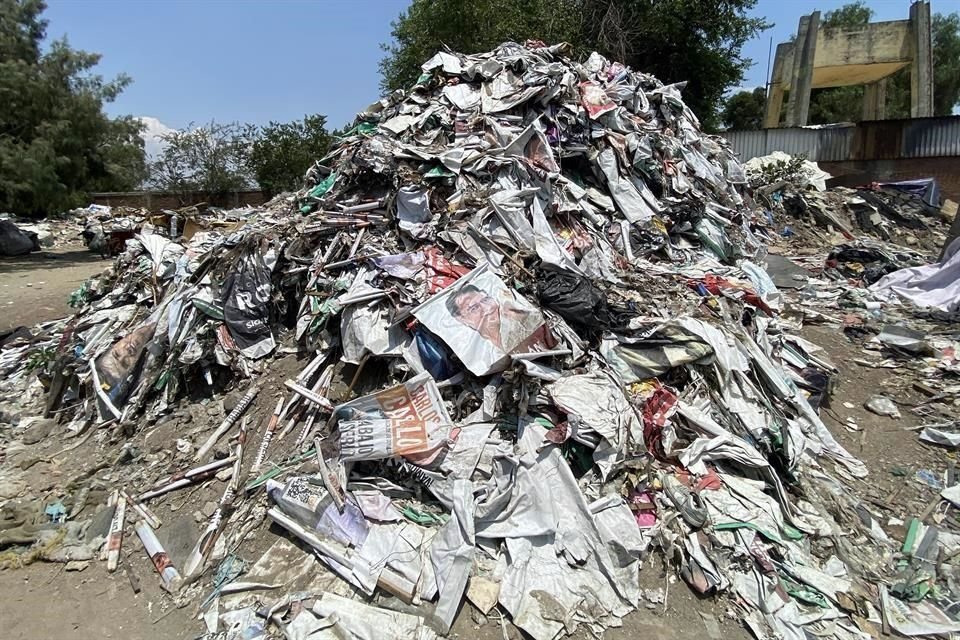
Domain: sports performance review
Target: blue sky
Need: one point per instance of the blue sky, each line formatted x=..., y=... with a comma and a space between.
x=247, y=61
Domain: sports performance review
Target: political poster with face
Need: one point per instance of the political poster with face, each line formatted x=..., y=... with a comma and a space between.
x=406, y=420
x=117, y=369
x=484, y=321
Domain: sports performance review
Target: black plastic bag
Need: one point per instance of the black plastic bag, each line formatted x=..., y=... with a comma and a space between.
x=575, y=299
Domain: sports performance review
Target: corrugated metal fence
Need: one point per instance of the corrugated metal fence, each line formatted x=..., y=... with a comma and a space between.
x=874, y=140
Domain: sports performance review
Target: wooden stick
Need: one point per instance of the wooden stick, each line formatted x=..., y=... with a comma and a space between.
x=267, y=436
x=170, y=578
x=115, y=537
x=329, y=479
x=142, y=510
x=228, y=422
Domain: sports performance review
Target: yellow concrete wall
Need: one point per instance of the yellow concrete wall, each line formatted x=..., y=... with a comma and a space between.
x=875, y=43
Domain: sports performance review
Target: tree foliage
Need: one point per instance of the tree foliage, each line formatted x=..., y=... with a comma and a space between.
x=744, y=110
x=213, y=158
x=849, y=15
x=946, y=63
x=699, y=41
x=56, y=143
x=282, y=152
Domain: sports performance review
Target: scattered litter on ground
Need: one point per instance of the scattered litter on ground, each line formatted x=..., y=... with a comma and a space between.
x=519, y=332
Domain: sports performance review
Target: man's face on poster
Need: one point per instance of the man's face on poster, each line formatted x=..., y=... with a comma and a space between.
x=474, y=308
x=479, y=311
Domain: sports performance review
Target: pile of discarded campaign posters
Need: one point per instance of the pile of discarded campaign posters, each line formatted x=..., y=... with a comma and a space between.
x=532, y=342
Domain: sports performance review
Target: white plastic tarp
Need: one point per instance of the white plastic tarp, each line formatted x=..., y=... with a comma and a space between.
x=934, y=285
x=624, y=192
x=358, y=621
x=594, y=402
x=556, y=581
x=413, y=210
x=366, y=329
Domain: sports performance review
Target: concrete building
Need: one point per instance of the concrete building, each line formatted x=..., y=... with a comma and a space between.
x=823, y=57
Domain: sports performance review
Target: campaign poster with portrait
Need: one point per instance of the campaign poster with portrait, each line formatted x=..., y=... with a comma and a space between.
x=484, y=321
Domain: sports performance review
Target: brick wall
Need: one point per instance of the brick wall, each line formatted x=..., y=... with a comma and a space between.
x=854, y=172
x=157, y=200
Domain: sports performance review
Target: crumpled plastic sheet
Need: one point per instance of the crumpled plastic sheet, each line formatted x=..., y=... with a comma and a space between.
x=554, y=581
x=357, y=621
x=594, y=402
x=936, y=285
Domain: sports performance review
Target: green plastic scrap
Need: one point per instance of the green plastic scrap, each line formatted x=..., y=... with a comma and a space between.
x=910, y=540
x=919, y=585
x=79, y=297
x=162, y=380
x=229, y=569
x=279, y=469
x=578, y=456
x=215, y=311
x=788, y=531
x=714, y=238
x=363, y=129
x=804, y=593
x=323, y=186
x=439, y=171
x=422, y=517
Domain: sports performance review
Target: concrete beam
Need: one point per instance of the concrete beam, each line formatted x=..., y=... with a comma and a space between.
x=873, y=43
x=801, y=81
x=771, y=117
x=875, y=101
x=921, y=67
x=846, y=75
x=782, y=64
x=793, y=78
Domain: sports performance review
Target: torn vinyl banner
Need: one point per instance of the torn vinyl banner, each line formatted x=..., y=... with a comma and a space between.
x=246, y=306
x=116, y=368
x=404, y=420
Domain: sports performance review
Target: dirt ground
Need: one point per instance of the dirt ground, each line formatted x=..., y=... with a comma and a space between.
x=44, y=601
x=36, y=287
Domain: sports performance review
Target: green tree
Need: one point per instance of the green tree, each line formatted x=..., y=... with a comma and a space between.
x=469, y=26
x=946, y=63
x=700, y=41
x=849, y=15
x=213, y=158
x=56, y=143
x=282, y=152
x=744, y=110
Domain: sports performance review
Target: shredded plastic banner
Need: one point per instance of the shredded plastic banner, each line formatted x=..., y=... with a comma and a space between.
x=246, y=306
